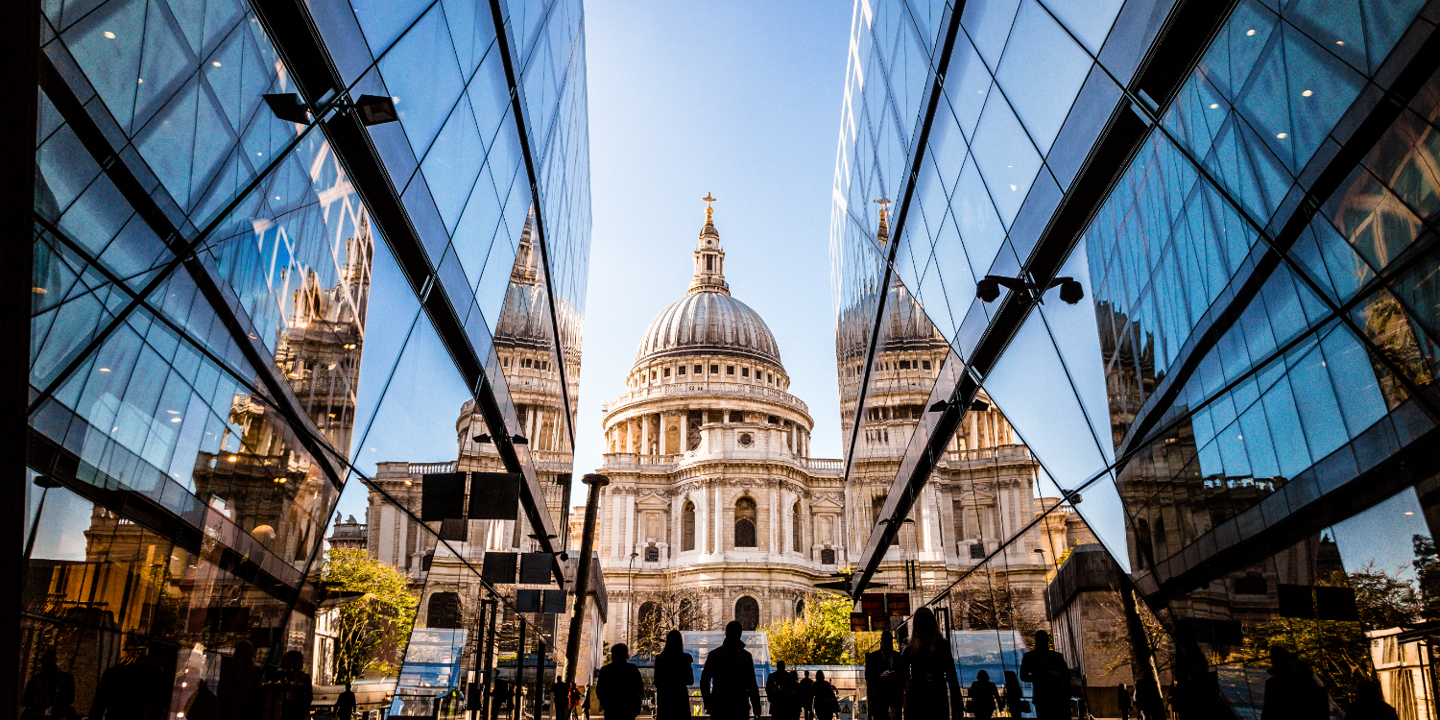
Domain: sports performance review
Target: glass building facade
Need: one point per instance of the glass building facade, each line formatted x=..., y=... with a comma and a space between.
x=234, y=317
x=1242, y=407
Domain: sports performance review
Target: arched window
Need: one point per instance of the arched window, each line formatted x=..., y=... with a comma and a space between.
x=647, y=625
x=443, y=611
x=796, y=536
x=745, y=523
x=800, y=608
x=689, y=616
x=747, y=611
x=1143, y=549
x=687, y=527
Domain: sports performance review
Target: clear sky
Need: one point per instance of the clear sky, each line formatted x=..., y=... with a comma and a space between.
x=741, y=99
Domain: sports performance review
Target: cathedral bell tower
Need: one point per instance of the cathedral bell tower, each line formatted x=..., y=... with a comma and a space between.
x=709, y=258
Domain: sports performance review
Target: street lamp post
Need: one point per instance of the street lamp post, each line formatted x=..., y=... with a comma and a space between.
x=630, y=596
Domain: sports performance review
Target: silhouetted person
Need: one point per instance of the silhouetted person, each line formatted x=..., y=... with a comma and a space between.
x=727, y=684
x=931, y=688
x=239, y=682
x=1049, y=679
x=204, y=705
x=984, y=697
x=1291, y=692
x=881, y=674
x=1125, y=702
x=807, y=696
x=344, y=704
x=826, y=704
x=50, y=691
x=783, y=692
x=560, y=698
x=619, y=685
x=674, y=674
x=1370, y=704
x=133, y=689
x=1014, y=694
x=288, y=692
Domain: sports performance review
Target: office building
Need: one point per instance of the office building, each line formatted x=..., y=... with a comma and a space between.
x=272, y=246
x=1188, y=250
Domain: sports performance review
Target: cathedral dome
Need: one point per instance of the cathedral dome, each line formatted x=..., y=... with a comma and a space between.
x=708, y=322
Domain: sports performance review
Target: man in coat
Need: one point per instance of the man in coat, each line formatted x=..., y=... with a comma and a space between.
x=880, y=668
x=727, y=684
x=1049, y=675
x=619, y=686
x=783, y=692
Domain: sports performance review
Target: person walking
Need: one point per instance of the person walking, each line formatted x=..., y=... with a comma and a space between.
x=1049, y=677
x=881, y=667
x=727, y=682
x=984, y=698
x=1015, y=704
x=674, y=674
x=1126, y=702
x=344, y=705
x=288, y=694
x=807, y=696
x=619, y=686
x=931, y=688
x=826, y=704
x=782, y=694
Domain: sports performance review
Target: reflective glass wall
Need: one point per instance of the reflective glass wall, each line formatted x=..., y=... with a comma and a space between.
x=237, y=316
x=1246, y=194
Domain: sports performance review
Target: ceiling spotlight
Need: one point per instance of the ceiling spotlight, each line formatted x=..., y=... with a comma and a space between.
x=376, y=110
x=1070, y=291
x=288, y=107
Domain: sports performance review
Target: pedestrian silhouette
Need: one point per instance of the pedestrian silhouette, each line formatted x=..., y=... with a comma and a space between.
x=239, y=680
x=1015, y=703
x=133, y=689
x=50, y=691
x=204, y=705
x=826, y=704
x=783, y=694
x=1126, y=703
x=344, y=705
x=727, y=683
x=881, y=672
x=984, y=698
x=932, y=689
x=807, y=696
x=1292, y=692
x=674, y=674
x=619, y=685
x=1370, y=703
x=288, y=692
x=1049, y=679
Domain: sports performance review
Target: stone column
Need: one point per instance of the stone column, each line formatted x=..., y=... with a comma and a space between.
x=645, y=434
x=684, y=430
x=702, y=520
x=774, y=500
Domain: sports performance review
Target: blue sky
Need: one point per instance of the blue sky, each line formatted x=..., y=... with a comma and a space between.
x=739, y=99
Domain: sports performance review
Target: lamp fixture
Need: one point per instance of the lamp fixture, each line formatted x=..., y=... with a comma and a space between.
x=485, y=439
x=988, y=289
x=371, y=109
x=975, y=405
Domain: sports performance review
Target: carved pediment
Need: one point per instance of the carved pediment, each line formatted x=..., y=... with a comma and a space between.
x=653, y=501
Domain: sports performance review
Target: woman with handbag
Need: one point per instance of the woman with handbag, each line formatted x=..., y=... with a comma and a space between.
x=932, y=691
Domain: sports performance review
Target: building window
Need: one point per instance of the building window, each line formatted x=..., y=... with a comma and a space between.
x=745, y=372
x=795, y=529
x=747, y=611
x=800, y=608
x=904, y=364
x=443, y=611
x=714, y=369
x=699, y=369
x=709, y=263
x=729, y=369
x=827, y=556
x=925, y=364
x=687, y=527
x=647, y=623
x=745, y=523
x=680, y=370
x=667, y=372
x=652, y=553
x=977, y=551
x=746, y=440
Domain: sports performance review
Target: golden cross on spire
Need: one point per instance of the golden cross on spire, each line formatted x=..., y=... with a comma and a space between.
x=709, y=211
